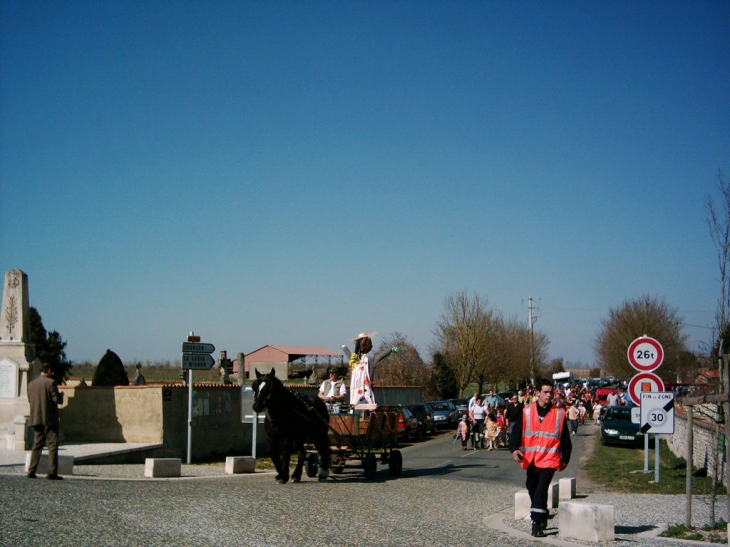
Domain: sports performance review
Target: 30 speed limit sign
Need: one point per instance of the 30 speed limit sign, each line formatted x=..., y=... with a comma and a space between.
x=645, y=354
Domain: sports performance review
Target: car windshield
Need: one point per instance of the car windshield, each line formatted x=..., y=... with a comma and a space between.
x=619, y=414
x=440, y=406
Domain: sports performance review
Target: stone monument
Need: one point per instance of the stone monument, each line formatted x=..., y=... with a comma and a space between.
x=18, y=363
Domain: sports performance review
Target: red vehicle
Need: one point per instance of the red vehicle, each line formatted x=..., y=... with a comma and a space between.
x=602, y=394
x=408, y=427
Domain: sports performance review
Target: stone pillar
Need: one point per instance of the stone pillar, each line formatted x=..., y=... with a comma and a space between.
x=18, y=364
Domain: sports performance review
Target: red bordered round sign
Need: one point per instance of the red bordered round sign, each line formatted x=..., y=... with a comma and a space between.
x=644, y=382
x=645, y=354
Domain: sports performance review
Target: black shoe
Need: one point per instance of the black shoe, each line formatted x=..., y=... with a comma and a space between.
x=32, y=476
x=54, y=477
x=538, y=529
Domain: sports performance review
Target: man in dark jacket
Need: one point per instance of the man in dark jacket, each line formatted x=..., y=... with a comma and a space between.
x=44, y=398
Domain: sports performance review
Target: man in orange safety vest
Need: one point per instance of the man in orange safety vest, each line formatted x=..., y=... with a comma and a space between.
x=540, y=442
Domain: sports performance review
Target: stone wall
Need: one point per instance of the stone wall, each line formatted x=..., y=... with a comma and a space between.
x=705, y=442
x=159, y=414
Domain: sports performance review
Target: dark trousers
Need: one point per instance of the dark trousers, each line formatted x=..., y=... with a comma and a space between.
x=538, y=484
x=44, y=434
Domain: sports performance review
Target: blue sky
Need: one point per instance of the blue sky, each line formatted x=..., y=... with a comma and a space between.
x=299, y=172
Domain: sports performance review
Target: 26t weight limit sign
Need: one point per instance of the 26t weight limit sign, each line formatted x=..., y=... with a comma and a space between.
x=645, y=354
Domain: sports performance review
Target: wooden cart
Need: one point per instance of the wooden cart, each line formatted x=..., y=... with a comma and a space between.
x=367, y=435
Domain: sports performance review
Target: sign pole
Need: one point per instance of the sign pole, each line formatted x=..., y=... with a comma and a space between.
x=656, y=457
x=646, y=453
x=190, y=414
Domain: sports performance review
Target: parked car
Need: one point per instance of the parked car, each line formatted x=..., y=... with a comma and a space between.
x=617, y=427
x=462, y=405
x=407, y=426
x=445, y=414
x=602, y=394
x=424, y=414
x=507, y=395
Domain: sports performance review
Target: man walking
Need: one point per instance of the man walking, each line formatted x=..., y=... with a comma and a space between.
x=540, y=442
x=44, y=398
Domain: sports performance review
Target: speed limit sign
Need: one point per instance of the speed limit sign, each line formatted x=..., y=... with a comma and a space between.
x=645, y=354
x=657, y=412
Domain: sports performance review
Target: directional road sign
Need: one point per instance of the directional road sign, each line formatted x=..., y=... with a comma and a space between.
x=197, y=347
x=197, y=361
x=657, y=412
x=645, y=354
x=644, y=382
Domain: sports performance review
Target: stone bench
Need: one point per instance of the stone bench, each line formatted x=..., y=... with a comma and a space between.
x=65, y=464
x=162, y=467
x=586, y=521
x=240, y=464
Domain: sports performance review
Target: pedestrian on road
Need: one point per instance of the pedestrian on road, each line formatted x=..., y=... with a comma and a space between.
x=44, y=398
x=541, y=444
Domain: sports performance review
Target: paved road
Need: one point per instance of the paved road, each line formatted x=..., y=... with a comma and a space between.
x=444, y=497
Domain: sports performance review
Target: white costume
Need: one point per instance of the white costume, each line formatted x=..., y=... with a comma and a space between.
x=360, y=389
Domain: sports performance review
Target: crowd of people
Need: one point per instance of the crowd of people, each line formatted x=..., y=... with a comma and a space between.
x=490, y=419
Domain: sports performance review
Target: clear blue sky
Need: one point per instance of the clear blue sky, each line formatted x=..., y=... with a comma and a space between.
x=299, y=172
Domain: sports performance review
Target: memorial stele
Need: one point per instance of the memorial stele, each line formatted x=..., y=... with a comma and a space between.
x=18, y=362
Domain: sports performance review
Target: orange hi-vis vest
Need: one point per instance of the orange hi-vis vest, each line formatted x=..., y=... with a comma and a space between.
x=541, y=440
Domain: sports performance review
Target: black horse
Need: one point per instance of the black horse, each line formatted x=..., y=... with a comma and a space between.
x=290, y=421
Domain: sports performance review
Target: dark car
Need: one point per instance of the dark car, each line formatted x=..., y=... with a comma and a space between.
x=462, y=405
x=424, y=414
x=445, y=414
x=617, y=427
x=407, y=426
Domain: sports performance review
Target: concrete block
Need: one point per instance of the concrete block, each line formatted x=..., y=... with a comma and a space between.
x=162, y=467
x=553, y=495
x=240, y=464
x=65, y=464
x=567, y=488
x=522, y=504
x=586, y=522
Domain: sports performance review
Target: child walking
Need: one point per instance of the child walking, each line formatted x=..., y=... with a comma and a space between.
x=463, y=430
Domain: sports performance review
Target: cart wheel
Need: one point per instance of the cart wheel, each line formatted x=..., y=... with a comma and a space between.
x=312, y=466
x=395, y=463
x=371, y=466
x=339, y=466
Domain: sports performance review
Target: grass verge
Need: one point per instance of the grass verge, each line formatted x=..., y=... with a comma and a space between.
x=620, y=469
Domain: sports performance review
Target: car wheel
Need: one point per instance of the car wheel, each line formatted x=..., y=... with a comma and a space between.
x=408, y=435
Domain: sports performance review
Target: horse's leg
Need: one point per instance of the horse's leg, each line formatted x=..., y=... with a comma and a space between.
x=274, y=448
x=323, y=447
x=285, y=461
x=297, y=475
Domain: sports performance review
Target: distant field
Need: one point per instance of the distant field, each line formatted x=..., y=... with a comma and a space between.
x=152, y=374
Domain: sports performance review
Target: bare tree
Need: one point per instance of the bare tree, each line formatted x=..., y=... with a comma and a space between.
x=463, y=335
x=634, y=318
x=402, y=368
x=718, y=221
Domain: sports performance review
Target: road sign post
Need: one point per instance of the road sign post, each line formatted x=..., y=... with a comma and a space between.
x=195, y=356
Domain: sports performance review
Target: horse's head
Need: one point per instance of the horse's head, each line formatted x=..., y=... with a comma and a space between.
x=262, y=389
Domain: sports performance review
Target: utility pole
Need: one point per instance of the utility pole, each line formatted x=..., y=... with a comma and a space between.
x=531, y=320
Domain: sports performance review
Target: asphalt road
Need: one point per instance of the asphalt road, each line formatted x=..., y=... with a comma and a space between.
x=442, y=498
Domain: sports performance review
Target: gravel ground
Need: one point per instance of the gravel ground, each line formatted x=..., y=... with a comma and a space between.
x=209, y=508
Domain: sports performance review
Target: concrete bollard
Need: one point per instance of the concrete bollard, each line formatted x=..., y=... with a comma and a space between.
x=587, y=522
x=162, y=467
x=567, y=488
x=65, y=464
x=553, y=495
x=240, y=464
x=522, y=504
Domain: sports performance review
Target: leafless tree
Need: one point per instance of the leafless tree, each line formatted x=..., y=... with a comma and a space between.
x=463, y=335
x=718, y=221
x=403, y=367
x=634, y=318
